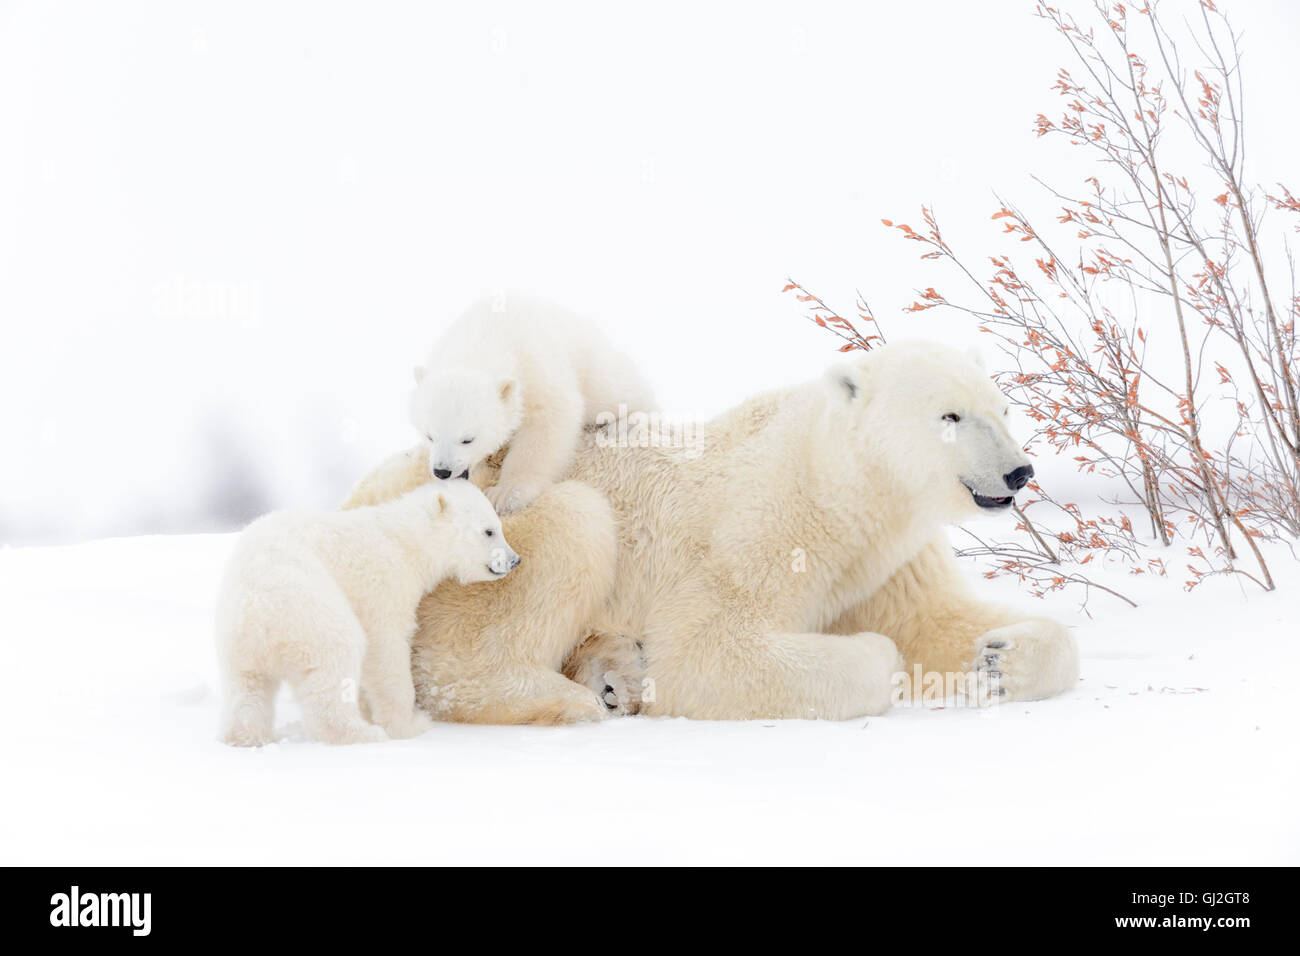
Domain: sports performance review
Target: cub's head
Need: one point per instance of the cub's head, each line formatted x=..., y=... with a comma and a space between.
x=472, y=544
x=931, y=417
x=464, y=416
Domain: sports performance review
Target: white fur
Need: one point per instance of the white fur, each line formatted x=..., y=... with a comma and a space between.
x=327, y=602
x=780, y=568
x=525, y=372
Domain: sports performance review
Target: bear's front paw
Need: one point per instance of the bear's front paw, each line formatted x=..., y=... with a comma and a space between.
x=1028, y=660
x=509, y=496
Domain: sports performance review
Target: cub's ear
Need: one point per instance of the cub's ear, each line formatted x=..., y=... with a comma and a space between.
x=443, y=505
x=418, y=372
x=848, y=382
x=506, y=389
x=977, y=357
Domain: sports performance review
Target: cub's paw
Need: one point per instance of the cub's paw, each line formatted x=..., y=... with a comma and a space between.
x=1028, y=660
x=404, y=728
x=245, y=737
x=358, y=733
x=512, y=496
x=617, y=696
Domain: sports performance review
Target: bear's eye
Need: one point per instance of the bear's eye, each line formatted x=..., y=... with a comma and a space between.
x=432, y=439
x=467, y=441
x=952, y=417
x=489, y=532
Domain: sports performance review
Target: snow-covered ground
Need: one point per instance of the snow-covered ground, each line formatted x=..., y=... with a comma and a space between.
x=1179, y=746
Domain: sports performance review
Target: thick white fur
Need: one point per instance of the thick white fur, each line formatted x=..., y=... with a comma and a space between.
x=780, y=568
x=524, y=371
x=492, y=654
x=327, y=602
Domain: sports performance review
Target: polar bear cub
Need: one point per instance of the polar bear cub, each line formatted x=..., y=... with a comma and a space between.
x=523, y=371
x=327, y=602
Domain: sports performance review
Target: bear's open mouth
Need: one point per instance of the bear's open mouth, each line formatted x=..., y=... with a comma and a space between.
x=984, y=501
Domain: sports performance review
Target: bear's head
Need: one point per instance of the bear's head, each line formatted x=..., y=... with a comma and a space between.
x=932, y=423
x=464, y=415
x=464, y=532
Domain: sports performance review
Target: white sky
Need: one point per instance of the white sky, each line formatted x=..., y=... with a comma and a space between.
x=227, y=230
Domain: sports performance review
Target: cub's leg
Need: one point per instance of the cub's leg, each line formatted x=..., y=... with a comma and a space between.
x=327, y=681
x=541, y=451
x=249, y=709
x=388, y=688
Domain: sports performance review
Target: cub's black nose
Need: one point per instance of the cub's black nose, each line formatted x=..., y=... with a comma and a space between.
x=1019, y=478
x=442, y=472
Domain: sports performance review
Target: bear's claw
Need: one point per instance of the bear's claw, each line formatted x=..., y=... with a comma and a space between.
x=991, y=668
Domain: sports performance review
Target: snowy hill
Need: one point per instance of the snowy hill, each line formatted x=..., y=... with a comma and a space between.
x=1180, y=745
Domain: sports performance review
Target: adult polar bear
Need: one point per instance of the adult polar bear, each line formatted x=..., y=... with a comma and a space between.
x=775, y=569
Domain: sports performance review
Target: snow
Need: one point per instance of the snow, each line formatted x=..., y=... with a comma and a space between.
x=1179, y=746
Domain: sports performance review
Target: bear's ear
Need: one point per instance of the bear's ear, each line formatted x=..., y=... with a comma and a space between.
x=506, y=389
x=418, y=372
x=977, y=357
x=847, y=382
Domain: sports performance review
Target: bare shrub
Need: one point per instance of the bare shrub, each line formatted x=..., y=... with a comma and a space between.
x=1151, y=346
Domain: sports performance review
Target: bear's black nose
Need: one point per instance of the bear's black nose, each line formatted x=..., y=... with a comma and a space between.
x=442, y=472
x=1019, y=478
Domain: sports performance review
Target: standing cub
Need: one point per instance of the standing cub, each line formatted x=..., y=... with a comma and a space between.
x=522, y=371
x=327, y=602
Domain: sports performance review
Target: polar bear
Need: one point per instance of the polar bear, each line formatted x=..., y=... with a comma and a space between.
x=328, y=603
x=492, y=658
x=524, y=371
x=795, y=561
